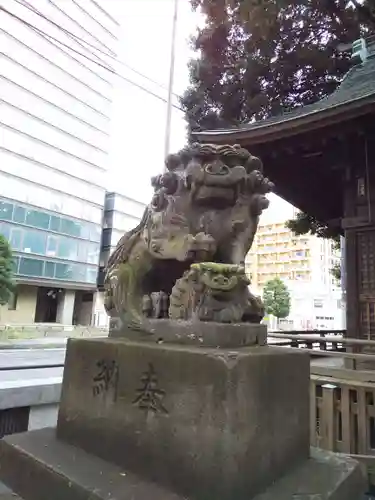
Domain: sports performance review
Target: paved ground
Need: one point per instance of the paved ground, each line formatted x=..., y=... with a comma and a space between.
x=30, y=357
x=34, y=343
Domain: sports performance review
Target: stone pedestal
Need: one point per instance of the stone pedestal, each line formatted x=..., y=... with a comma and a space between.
x=225, y=423
x=192, y=333
x=147, y=421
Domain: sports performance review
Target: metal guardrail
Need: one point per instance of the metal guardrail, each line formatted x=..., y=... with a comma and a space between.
x=30, y=367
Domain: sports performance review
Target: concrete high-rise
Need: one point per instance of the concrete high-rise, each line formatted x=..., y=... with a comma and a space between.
x=55, y=112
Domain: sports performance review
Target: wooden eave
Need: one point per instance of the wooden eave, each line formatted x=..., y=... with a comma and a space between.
x=290, y=126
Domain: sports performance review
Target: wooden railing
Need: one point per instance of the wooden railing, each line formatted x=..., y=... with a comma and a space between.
x=342, y=400
x=324, y=340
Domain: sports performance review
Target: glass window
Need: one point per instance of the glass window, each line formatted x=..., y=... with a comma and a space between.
x=5, y=230
x=34, y=242
x=85, y=231
x=19, y=214
x=72, y=272
x=37, y=219
x=70, y=227
x=31, y=267
x=91, y=274
x=95, y=233
x=68, y=248
x=15, y=238
x=80, y=272
x=19, y=189
x=82, y=251
x=6, y=210
x=93, y=253
x=55, y=223
x=52, y=244
x=65, y=271
x=49, y=269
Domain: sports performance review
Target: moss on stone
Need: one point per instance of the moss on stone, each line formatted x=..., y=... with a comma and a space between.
x=129, y=282
x=219, y=268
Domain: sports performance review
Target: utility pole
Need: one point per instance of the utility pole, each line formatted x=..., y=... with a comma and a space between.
x=170, y=84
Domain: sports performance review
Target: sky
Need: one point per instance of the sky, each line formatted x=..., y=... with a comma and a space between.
x=139, y=118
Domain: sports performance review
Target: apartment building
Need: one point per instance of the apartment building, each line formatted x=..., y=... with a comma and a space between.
x=278, y=252
x=55, y=113
x=303, y=263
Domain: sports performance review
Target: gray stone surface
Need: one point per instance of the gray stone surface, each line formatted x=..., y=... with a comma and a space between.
x=225, y=423
x=324, y=476
x=200, y=333
x=30, y=390
x=30, y=358
x=39, y=467
x=42, y=416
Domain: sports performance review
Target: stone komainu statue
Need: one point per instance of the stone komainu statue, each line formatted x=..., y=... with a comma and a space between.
x=185, y=259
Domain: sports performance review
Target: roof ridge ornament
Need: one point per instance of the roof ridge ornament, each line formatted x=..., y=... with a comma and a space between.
x=359, y=51
x=362, y=49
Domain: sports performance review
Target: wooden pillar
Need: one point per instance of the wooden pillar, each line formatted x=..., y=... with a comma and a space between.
x=351, y=283
x=359, y=224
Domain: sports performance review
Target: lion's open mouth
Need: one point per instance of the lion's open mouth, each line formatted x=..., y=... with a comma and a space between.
x=216, y=196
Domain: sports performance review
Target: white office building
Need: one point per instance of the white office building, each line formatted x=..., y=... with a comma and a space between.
x=55, y=112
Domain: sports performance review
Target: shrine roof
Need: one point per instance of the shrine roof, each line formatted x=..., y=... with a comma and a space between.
x=352, y=97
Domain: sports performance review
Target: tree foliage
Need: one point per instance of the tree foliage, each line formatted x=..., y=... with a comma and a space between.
x=276, y=298
x=336, y=272
x=304, y=223
x=257, y=58
x=7, y=285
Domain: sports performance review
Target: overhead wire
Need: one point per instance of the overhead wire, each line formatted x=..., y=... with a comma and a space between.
x=104, y=66
x=33, y=9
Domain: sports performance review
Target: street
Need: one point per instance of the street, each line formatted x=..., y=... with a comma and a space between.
x=30, y=357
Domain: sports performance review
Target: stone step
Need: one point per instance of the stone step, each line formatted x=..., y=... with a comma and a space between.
x=39, y=467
